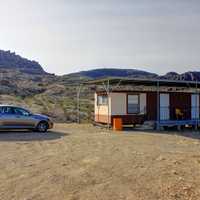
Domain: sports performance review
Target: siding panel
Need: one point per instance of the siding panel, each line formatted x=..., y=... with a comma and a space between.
x=151, y=106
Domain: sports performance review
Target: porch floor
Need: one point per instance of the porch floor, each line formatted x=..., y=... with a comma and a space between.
x=179, y=122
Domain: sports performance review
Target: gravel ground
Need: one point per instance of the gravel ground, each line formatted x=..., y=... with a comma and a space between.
x=74, y=162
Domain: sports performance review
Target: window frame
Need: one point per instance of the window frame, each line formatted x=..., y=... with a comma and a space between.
x=102, y=104
x=127, y=103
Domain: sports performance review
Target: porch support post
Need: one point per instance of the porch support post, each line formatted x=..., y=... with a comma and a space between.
x=196, y=108
x=78, y=103
x=107, y=89
x=108, y=95
x=158, y=107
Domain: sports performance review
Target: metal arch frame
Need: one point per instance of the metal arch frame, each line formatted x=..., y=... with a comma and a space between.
x=158, y=106
x=106, y=86
x=78, y=102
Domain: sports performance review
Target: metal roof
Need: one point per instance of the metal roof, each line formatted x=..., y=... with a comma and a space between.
x=139, y=81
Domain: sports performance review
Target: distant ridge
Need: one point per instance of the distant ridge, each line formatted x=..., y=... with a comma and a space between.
x=114, y=72
x=9, y=60
x=187, y=76
x=134, y=73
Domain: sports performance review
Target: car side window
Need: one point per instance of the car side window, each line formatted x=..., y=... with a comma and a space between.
x=7, y=110
x=1, y=110
x=20, y=111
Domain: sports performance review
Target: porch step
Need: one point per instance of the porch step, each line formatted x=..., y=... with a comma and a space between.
x=148, y=125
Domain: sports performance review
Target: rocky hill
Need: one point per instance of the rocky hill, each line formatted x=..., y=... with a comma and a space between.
x=187, y=76
x=9, y=60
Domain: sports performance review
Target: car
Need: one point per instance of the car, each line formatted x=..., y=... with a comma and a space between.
x=14, y=117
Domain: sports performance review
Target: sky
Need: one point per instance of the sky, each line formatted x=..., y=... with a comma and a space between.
x=67, y=36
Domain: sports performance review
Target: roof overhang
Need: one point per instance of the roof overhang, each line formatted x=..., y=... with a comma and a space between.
x=146, y=82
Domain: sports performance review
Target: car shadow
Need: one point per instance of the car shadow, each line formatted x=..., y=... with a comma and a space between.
x=22, y=135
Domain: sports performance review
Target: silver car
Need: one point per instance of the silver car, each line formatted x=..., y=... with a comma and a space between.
x=13, y=117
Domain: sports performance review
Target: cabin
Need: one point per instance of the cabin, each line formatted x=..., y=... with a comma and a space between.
x=136, y=101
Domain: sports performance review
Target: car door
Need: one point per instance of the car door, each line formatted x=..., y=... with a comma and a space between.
x=7, y=117
x=24, y=118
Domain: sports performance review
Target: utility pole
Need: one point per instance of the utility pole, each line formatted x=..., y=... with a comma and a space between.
x=78, y=104
x=197, y=107
x=108, y=94
x=107, y=89
x=158, y=107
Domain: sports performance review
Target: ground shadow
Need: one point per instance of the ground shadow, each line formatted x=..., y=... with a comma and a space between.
x=190, y=133
x=22, y=135
x=184, y=133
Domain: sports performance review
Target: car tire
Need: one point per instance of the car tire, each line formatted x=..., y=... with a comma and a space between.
x=42, y=127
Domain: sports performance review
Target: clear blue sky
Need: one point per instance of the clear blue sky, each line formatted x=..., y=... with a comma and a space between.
x=72, y=35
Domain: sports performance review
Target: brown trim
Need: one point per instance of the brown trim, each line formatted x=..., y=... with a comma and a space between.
x=130, y=119
x=126, y=119
x=148, y=91
x=102, y=94
x=122, y=91
x=151, y=106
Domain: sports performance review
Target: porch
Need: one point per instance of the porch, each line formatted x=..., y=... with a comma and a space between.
x=176, y=116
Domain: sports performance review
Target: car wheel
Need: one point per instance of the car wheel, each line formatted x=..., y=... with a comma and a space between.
x=42, y=127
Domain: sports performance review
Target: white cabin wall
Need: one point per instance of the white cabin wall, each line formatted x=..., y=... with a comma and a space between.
x=118, y=103
x=101, y=109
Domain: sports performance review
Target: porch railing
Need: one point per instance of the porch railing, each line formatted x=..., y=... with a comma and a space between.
x=176, y=113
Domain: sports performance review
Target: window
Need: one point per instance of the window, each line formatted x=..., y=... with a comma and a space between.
x=7, y=110
x=133, y=104
x=20, y=111
x=1, y=110
x=102, y=100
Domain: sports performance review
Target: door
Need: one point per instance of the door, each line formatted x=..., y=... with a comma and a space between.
x=7, y=117
x=23, y=118
x=164, y=107
x=195, y=106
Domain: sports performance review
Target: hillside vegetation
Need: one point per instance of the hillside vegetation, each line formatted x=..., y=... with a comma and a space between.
x=46, y=94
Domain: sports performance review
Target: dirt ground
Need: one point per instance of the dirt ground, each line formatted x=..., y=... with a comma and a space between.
x=73, y=162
